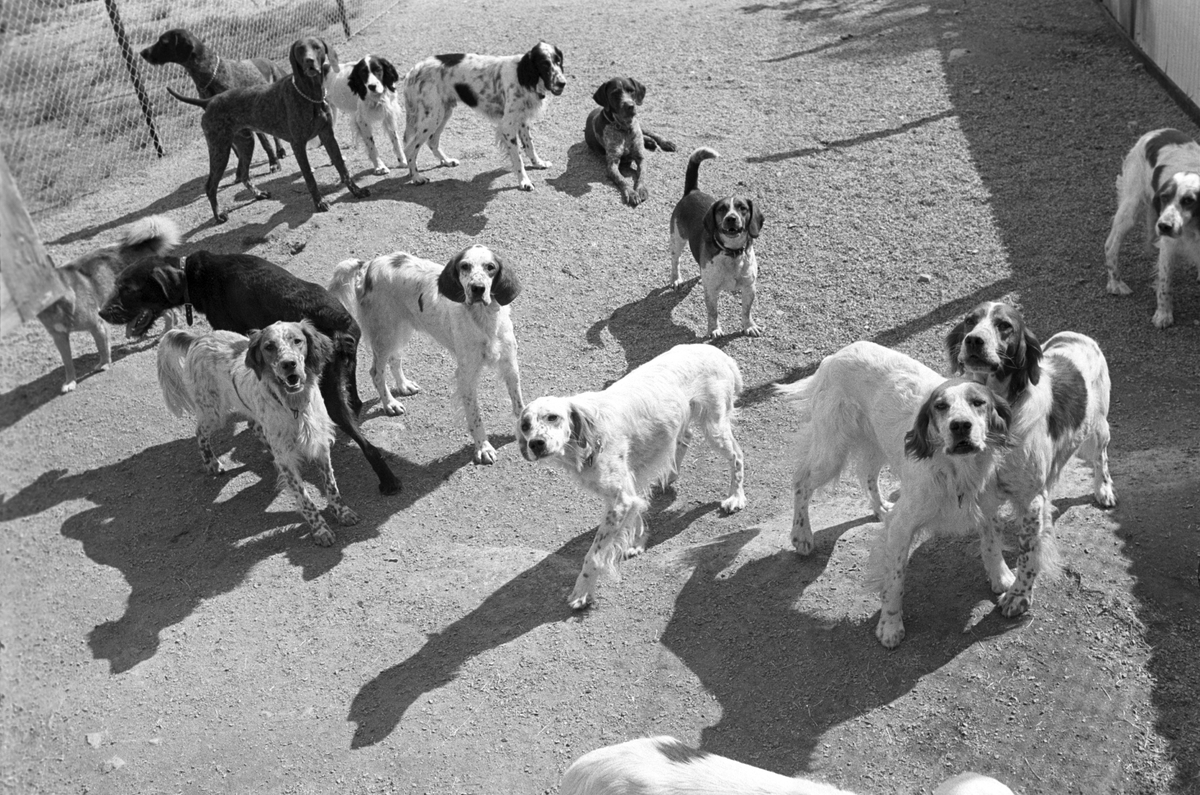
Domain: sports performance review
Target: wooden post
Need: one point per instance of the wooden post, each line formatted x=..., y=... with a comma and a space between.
x=135, y=76
x=29, y=282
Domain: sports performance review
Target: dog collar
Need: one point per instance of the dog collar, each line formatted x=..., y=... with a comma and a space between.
x=320, y=101
x=187, y=298
x=732, y=252
x=609, y=117
x=213, y=76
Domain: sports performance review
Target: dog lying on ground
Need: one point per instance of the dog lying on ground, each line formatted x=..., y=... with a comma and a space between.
x=1059, y=393
x=619, y=442
x=366, y=90
x=947, y=485
x=213, y=74
x=240, y=292
x=1160, y=181
x=295, y=110
x=269, y=379
x=721, y=234
x=463, y=305
x=90, y=280
x=666, y=766
x=508, y=90
x=614, y=131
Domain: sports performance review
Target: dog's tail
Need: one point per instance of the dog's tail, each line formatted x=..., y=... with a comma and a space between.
x=692, y=177
x=798, y=392
x=200, y=103
x=172, y=349
x=346, y=282
x=154, y=235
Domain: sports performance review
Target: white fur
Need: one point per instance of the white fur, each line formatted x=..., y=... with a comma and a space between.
x=380, y=107
x=619, y=442
x=1176, y=229
x=396, y=294
x=207, y=375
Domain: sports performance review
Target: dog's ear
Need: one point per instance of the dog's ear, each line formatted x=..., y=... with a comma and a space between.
x=390, y=75
x=449, y=284
x=756, y=219
x=505, y=284
x=639, y=91
x=583, y=435
x=601, y=95
x=917, y=442
x=710, y=222
x=170, y=279
x=357, y=82
x=254, y=356
x=320, y=348
x=954, y=341
x=1026, y=360
x=181, y=44
x=294, y=57
x=999, y=420
x=331, y=59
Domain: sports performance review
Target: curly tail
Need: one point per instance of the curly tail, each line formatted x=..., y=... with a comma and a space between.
x=346, y=282
x=692, y=176
x=154, y=235
x=172, y=350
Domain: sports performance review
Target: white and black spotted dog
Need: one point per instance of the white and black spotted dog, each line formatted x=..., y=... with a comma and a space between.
x=619, y=442
x=270, y=379
x=666, y=766
x=1059, y=394
x=463, y=305
x=366, y=89
x=1159, y=181
x=509, y=90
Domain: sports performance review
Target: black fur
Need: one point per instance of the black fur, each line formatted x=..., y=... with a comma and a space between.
x=382, y=68
x=448, y=283
x=1069, y=397
x=319, y=348
x=1164, y=138
x=505, y=284
x=451, y=59
x=677, y=752
x=466, y=94
x=254, y=357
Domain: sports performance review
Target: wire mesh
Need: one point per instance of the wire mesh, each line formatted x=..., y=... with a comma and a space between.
x=70, y=111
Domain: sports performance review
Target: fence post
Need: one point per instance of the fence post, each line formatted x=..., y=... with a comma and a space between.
x=341, y=4
x=135, y=77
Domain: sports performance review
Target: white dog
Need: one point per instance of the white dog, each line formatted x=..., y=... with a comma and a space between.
x=619, y=442
x=270, y=379
x=665, y=766
x=1160, y=181
x=366, y=90
x=510, y=91
x=463, y=305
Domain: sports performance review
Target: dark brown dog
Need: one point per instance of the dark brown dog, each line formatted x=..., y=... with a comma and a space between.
x=295, y=110
x=213, y=74
x=613, y=129
x=721, y=234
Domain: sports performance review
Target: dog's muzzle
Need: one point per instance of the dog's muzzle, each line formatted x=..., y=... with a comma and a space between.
x=961, y=441
x=533, y=449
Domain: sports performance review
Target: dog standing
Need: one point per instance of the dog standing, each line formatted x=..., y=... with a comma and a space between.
x=91, y=279
x=213, y=74
x=463, y=305
x=613, y=130
x=366, y=90
x=1160, y=181
x=510, y=91
x=619, y=442
x=721, y=234
x=295, y=110
x=269, y=379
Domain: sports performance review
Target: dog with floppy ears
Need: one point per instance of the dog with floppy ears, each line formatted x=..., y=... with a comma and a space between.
x=463, y=305
x=721, y=234
x=269, y=379
x=614, y=131
x=1160, y=181
x=509, y=90
x=366, y=89
x=619, y=442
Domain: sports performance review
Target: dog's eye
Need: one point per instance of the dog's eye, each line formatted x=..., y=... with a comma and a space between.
x=1003, y=326
x=552, y=418
x=941, y=405
x=1187, y=201
x=269, y=346
x=978, y=402
x=526, y=425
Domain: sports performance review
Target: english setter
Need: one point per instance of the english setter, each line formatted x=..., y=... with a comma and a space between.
x=858, y=405
x=947, y=484
x=270, y=379
x=463, y=305
x=666, y=766
x=509, y=90
x=366, y=89
x=1160, y=181
x=1059, y=393
x=619, y=442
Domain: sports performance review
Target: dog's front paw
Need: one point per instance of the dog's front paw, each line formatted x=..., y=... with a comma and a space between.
x=322, y=206
x=393, y=408
x=221, y=217
x=1118, y=287
x=380, y=170
x=485, y=454
x=275, y=167
x=580, y=599
x=407, y=388
x=666, y=146
x=1001, y=580
x=1163, y=318
x=753, y=330
x=715, y=333
x=69, y=386
x=358, y=192
x=803, y=541
x=323, y=536
x=418, y=179
x=1106, y=496
x=260, y=194
x=449, y=162
x=890, y=631
x=344, y=514
x=526, y=184
x=733, y=503
x=1014, y=604
x=540, y=164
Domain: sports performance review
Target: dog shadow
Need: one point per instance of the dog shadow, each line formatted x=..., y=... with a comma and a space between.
x=645, y=328
x=457, y=205
x=584, y=169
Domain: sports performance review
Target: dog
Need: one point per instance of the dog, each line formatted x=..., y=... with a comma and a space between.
x=240, y=292
x=510, y=91
x=213, y=74
x=947, y=483
x=858, y=406
x=366, y=90
x=613, y=130
x=463, y=305
x=296, y=110
x=269, y=379
x=721, y=234
x=1160, y=180
x=666, y=766
x=1059, y=393
x=619, y=442
x=90, y=280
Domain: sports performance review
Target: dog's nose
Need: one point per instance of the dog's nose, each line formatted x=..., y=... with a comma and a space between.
x=973, y=343
x=538, y=446
x=288, y=365
x=477, y=291
x=1166, y=229
x=960, y=428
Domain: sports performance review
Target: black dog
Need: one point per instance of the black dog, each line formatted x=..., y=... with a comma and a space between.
x=213, y=74
x=240, y=292
x=613, y=129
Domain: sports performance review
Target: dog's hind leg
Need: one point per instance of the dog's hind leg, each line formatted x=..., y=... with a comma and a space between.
x=1122, y=222
x=719, y=432
x=272, y=156
x=816, y=465
x=678, y=244
x=869, y=465
x=218, y=159
x=340, y=413
x=682, y=443
x=243, y=144
x=1094, y=450
x=62, y=341
x=329, y=141
x=341, y=511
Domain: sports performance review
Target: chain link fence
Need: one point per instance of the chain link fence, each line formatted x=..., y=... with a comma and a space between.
x=79, y=105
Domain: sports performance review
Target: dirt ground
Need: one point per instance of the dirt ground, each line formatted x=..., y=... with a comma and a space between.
x=164, y=631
